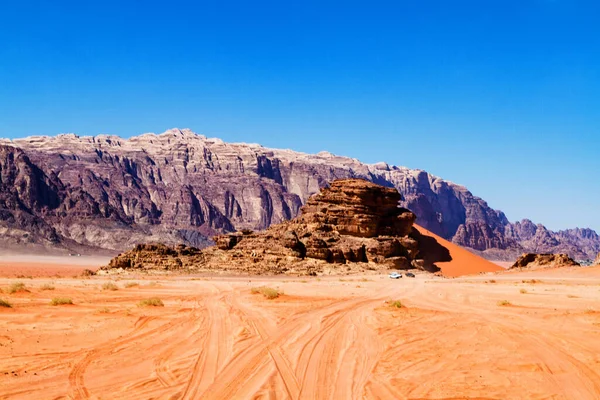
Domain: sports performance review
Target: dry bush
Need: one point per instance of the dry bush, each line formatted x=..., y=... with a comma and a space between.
x=131, y=284
x=396, y=304
x=523, y=291
x=17, y=287
x=5, y=304
x=504, y=303
x=268, y=292
x=110, y=286
x=104, y=310
x=47, y=286
x=151, y=302
x=491, y=281
x=59, y=301
x=532, y=281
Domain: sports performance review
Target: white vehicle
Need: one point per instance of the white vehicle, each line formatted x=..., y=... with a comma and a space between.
x=395, y=275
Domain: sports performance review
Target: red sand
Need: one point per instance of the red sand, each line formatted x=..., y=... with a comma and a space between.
x=463, y=261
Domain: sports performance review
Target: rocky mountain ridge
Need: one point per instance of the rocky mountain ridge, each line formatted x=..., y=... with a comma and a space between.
x=108, y=192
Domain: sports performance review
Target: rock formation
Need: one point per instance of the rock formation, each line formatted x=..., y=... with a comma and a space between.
x=176, y=187
x=597, y=260
x=533, y=261
x=354, y=225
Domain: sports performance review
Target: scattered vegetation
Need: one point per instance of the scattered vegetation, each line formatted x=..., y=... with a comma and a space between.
x=17, y=287
x=151, y=302
x=396, y=304
x=47, y=286
x=504, y=303
x=491, y=281
x=5, y=304
x=59, y=301
x=110, y=286
x=532, y=281
x=131, y=284
x=268, y=292
x=104, y=310
x=523, y=291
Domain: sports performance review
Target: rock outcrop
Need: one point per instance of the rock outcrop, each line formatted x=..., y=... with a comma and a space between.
x=157, y=257
x=533, y=261
x=597, y=260
x=354, y=225
x=181, y=187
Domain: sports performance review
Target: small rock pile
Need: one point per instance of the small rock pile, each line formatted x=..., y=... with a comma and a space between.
x=532, y=261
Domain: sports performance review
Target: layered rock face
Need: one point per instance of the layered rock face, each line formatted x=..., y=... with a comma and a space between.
x=354, y=225
x=597, y=260
x=532, y=261
x=181, y=187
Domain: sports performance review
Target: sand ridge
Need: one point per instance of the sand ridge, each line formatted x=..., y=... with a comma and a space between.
x=463, y=261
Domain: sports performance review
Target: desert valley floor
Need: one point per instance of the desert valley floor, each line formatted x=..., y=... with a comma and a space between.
x=524, y=335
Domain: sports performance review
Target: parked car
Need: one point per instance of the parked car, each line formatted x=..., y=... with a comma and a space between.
x=395, y=275
x=410, y=274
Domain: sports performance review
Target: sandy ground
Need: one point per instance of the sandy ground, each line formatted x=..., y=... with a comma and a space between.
x=327, y=338
x=24, y=266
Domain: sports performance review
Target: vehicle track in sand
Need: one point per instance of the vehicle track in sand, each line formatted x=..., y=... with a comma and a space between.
x=322, y=340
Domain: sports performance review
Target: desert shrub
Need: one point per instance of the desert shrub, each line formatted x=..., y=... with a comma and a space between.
x=5, y=304
x=17, y=287
x=492, y=281
x=504, y=303
x=88, y=272
x=110, y=286
x=131, y=284
x=47, y=286
x=396, y=304
x=532, y=281
x=104, y=310
x=268, y=292
x=523, y=291
x=59, y=301
x=151, y=302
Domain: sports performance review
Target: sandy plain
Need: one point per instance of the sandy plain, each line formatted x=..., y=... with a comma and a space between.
x=324, y=338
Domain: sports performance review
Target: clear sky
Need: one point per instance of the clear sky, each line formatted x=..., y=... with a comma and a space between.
x=501, y=96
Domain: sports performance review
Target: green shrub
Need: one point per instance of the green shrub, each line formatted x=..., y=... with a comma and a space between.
x=59, y=301
x=151, y=302
x=396, y=304
x=17, y=287
x=110, y=286
x=268, y=292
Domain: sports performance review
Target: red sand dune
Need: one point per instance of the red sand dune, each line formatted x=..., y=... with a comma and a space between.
x=463, y=261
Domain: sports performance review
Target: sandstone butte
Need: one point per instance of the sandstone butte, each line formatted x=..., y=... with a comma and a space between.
x=350, y=227
x=533, y=261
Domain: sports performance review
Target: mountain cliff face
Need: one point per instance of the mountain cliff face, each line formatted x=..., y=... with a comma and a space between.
x=108, y=192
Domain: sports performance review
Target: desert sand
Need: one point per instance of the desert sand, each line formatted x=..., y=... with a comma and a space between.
x=530, y=335
x=463, y=261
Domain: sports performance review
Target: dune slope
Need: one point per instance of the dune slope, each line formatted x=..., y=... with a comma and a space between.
x=463, y=261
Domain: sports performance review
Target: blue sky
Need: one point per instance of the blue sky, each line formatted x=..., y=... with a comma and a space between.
x=501, y=96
